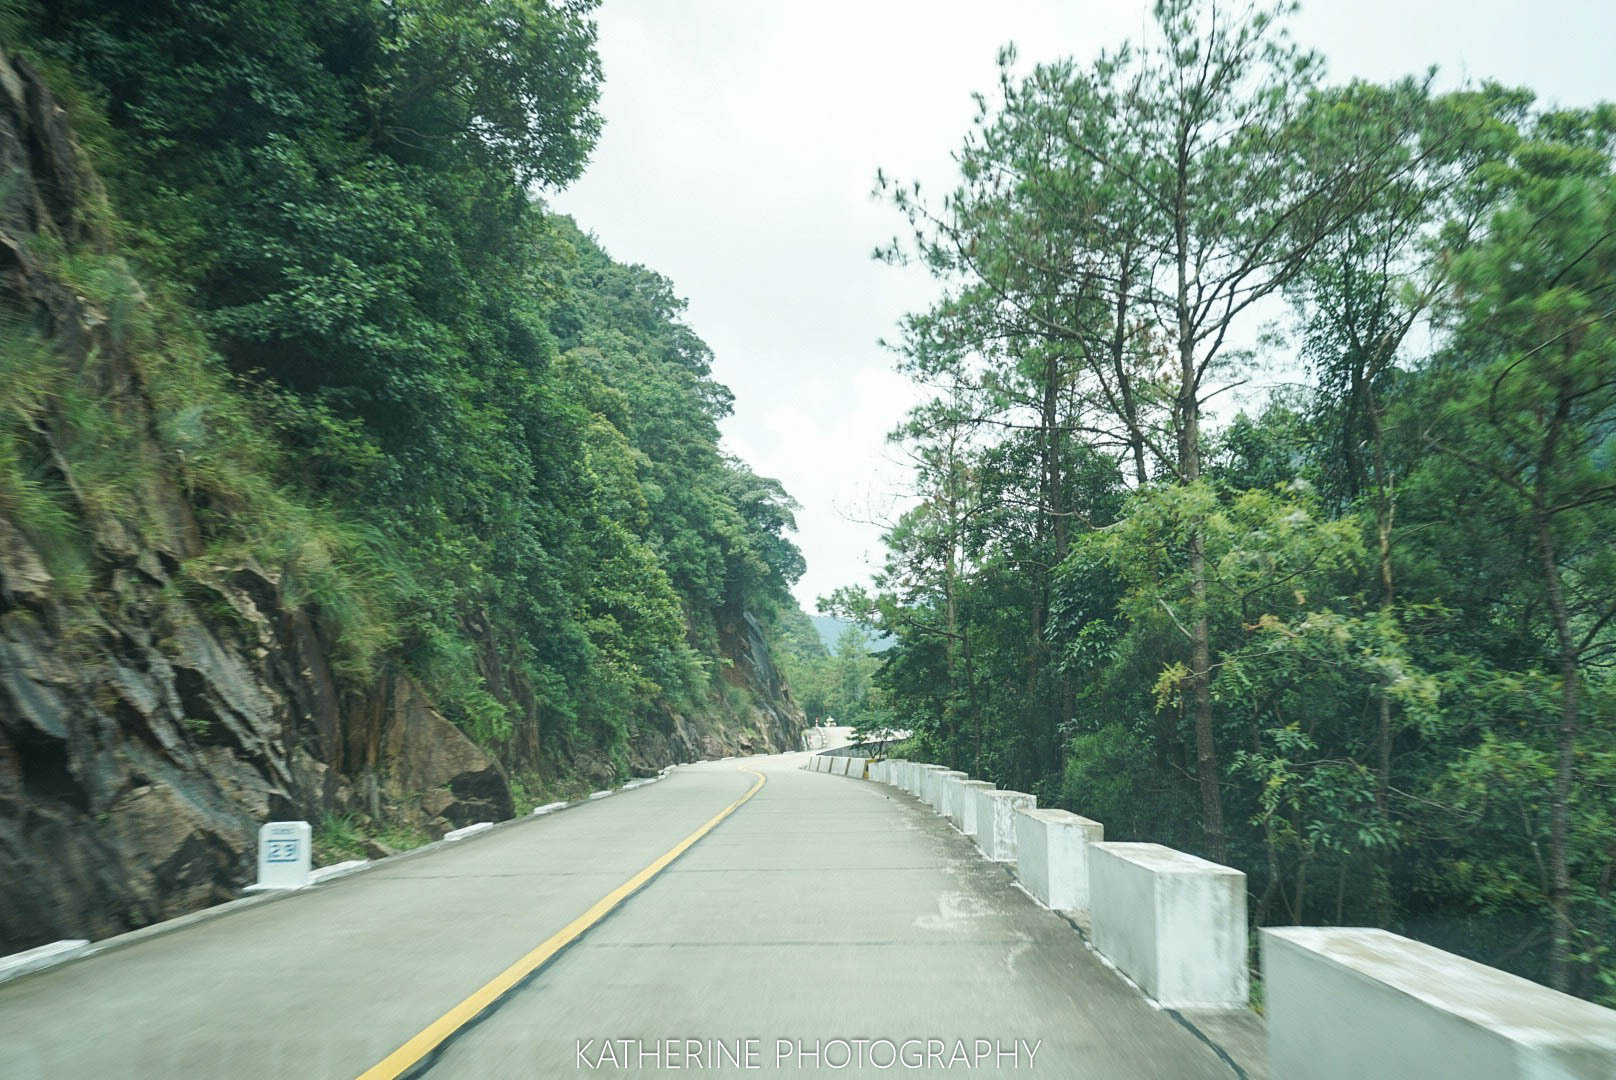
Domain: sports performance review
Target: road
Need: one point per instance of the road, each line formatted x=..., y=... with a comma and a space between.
x=822, y=911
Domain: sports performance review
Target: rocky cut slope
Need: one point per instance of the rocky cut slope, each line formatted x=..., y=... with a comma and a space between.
x=154, y=713
x=159, y=697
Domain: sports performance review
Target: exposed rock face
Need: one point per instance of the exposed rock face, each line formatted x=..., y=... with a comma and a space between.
x=148, y=727
x=432, y=770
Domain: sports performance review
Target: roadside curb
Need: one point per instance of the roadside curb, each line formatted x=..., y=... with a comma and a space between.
x=57, y=954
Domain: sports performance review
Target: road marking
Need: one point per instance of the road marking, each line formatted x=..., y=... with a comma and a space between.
x=436, y=1033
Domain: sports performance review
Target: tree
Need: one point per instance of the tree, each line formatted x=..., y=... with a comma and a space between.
x=1530, y=388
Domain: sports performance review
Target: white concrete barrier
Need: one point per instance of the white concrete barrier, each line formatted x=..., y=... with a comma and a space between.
x=1354, y=1002
x=285, y=855
x=548, y=808
x=965, y=803
x=878, y=771
x=996, y=821
x=473, y=830
x=926, y=783
x=895, y=768
x=844, y=766
x=940, y=784
x=1052, y=856
x=608, y=793
x=1174, y=923
x=952, y=786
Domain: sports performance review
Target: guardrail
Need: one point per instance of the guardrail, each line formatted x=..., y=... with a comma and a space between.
x=1341, y=1002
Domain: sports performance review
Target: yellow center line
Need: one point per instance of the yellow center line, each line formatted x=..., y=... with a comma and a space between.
x=434, y=1034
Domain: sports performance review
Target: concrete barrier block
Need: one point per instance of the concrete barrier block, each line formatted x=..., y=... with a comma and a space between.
x=844, y=766
x=981, y=820
x=1052, y=856
x=948, y=799
x=926, y=783
x=941, y=782
x=965, y=805
x=895, y=768
x=996, y=822
x=1174, y=923
x=1353, y=1002
x=548, y=808
x=472, y=830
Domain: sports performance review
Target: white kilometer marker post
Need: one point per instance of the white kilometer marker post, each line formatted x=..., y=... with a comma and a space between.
x=285, y=855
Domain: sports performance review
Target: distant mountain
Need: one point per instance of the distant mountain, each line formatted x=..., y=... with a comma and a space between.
x=830, y=630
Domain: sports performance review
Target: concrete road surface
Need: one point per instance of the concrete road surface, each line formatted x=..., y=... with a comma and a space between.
x=826, y=915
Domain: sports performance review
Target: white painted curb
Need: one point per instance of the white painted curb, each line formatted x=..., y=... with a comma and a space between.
x=336, y=870
x=62, y=952
x=44, y=956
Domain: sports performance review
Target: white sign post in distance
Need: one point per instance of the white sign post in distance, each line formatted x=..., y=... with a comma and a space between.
x=285, y=855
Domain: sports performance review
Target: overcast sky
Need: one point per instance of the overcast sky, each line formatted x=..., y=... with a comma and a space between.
x=741, y=142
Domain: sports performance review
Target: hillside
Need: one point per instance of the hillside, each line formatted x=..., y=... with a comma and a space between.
x=831, y=628
x=339, y=480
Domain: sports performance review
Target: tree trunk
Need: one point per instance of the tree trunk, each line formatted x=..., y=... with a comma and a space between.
x=1189, y=462
x=1565, y=766
x=1385, y=511
x=1119, y=365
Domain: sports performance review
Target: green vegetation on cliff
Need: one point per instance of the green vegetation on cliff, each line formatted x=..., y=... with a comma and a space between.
x=474, y=447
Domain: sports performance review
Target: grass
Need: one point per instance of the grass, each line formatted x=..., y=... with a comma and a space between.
x=340, y=837
x=529, y=789
x=74, y=449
